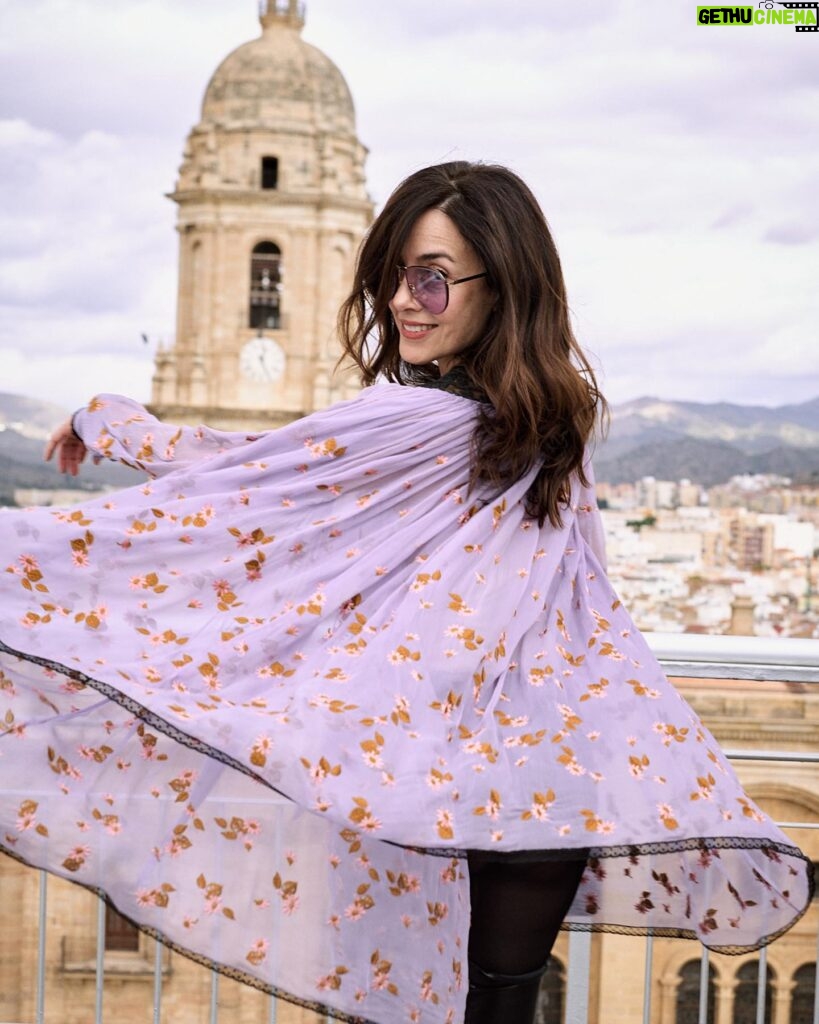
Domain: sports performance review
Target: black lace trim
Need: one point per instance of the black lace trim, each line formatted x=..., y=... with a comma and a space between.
x=592, y=853
x=228, y=972
x=457, y=382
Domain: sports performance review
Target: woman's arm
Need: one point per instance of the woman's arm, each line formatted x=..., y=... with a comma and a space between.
x=117, y=428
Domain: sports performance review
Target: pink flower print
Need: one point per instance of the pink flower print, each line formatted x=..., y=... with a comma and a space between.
x=444, y=823
x=666, y=813
x=427, y=993
x=290, y=904
x=222, y=587
x=77, y=858
x=355, y=911
x=372, y=759
x=27, y=817
x=335, y=922
x=450, y=872
x=212, y=904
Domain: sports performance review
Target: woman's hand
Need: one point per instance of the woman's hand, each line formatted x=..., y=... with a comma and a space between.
x=69, y=449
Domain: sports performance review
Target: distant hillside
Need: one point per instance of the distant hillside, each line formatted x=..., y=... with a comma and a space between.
x=704, y=462
x=750, y=428
x=25, y=425
x=29, y=416
x=708, y=443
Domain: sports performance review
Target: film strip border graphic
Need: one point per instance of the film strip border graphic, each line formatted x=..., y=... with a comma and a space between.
x=801, y=7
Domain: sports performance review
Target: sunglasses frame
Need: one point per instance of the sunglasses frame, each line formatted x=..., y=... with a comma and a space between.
x=402, y=275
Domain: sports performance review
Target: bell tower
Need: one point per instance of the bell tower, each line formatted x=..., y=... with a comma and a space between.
x=272, y=205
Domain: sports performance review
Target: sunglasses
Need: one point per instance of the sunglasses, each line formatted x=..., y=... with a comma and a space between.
x=430, y=287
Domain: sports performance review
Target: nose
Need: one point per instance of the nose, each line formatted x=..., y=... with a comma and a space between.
x=404, y=297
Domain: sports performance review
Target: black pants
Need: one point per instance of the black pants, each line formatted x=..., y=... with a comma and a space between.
x=517, y=909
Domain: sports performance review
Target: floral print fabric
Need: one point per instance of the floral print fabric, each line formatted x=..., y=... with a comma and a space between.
x=268, y=698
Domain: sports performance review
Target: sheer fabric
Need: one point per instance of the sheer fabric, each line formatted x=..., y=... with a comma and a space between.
x=268, y=699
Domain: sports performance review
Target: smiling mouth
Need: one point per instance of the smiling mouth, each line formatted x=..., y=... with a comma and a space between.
x=416, y=328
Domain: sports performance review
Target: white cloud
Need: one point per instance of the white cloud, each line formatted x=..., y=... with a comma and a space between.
x=675, y=163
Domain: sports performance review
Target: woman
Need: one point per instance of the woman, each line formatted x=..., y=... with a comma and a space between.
x=346, y=707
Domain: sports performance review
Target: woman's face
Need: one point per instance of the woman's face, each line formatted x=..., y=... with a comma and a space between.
x=435, y=242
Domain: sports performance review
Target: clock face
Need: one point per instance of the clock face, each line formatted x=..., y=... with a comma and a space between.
x=261, y=360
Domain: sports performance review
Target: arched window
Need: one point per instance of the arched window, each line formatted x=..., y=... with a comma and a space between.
x=687, y=1003
x=745, y=994
x=265, y=286
x=804, y=993
x=552, y=994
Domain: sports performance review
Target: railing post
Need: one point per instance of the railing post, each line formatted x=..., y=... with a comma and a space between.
x=816, y=985
x=577, y=978
x=647, y=979
x=761, y=985
x=214, y=997
x=100, y=958
x=41, y=949
x=705, y=977
x=157, y=981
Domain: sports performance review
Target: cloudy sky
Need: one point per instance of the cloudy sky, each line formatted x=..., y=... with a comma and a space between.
x=677, y=164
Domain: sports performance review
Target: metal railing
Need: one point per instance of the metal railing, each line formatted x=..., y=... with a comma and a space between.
x=681, y=655
x=694, y=656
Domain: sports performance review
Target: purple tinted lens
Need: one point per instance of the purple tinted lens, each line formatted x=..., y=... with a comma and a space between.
x=429, y=288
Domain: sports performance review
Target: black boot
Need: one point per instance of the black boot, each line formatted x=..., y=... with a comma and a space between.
x=502, y=998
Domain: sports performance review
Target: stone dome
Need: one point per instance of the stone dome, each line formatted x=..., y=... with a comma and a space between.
x=278, y=81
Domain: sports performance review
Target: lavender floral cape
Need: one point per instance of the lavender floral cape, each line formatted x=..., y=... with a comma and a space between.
x=267, y=699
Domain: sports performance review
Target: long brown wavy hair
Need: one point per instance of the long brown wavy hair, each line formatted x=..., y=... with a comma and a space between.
x=545, y=403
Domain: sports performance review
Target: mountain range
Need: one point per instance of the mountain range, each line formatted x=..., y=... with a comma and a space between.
x=706, y=443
